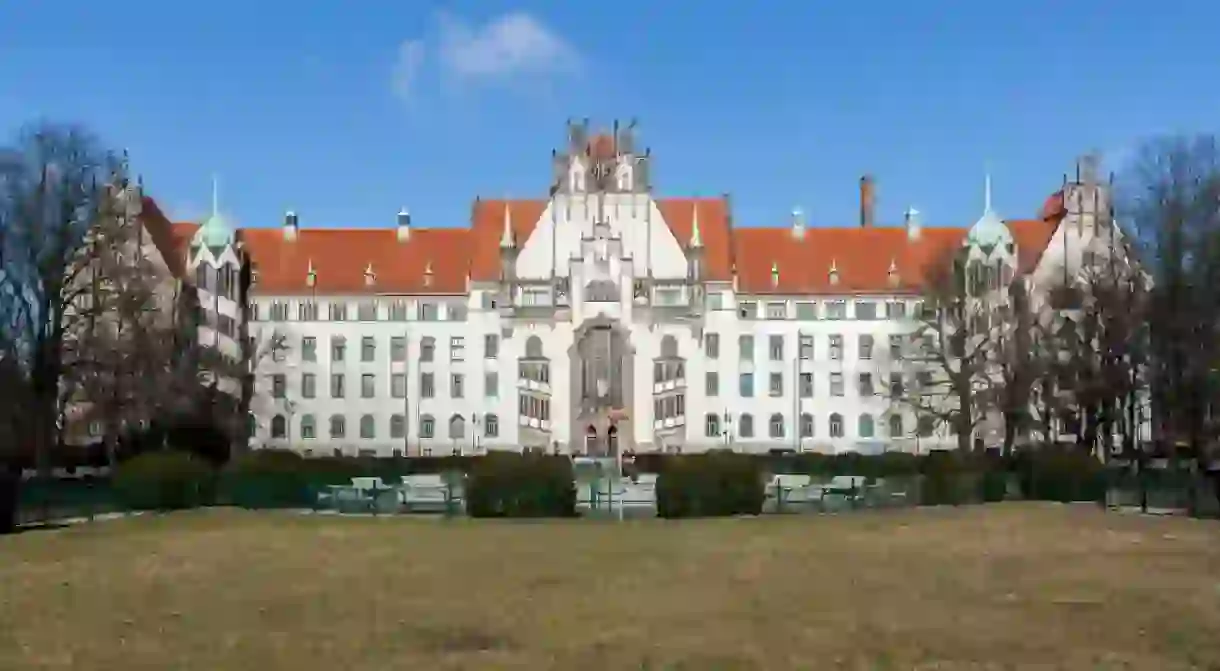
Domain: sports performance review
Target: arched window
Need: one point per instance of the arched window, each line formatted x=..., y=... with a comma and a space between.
x=865, y=426
x=601, y=291
x=309, y=427
x=775, y=426
x=533, y=348
x=368, y=427
x=806, y=425
x=338, y=426
x=427, y=426
x=836, y=425
x=746, y=425
x=711, y=425
x=669, y=347
x=457, y=427
x=398, y=426
x=279, y=427
x=896, y=426
x=491, y=426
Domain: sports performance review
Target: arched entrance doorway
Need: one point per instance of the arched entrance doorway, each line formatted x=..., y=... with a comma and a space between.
x=591, y=440
x=612, y=440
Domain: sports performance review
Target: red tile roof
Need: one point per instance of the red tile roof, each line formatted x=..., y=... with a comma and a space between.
x=862, y=256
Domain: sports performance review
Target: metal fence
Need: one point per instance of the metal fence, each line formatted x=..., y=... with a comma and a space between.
x=599, y=495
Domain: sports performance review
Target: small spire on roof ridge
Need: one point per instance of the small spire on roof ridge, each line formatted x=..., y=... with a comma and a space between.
x=893, y=265
x=834, y=265
x=696, y=238
x=368, y=270
x=215, y=195
x=987, y=192
x=507, y=236
x=428, y=267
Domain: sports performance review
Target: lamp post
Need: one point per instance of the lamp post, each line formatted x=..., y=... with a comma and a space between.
x=474, y=433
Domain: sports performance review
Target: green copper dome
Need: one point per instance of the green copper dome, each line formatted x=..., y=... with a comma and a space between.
x=215, y=232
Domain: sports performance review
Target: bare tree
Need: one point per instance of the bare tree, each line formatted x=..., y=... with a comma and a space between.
x=1171, y=192
x=54, y=185
x=120, y=355
x=952, y=345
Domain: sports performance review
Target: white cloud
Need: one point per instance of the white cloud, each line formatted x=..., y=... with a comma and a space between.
x=513, y=44
x=507, y=47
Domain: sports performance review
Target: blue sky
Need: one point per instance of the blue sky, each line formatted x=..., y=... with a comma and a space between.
x=346, y=112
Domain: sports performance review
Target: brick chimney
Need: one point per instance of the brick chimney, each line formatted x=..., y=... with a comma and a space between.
x=867, y=198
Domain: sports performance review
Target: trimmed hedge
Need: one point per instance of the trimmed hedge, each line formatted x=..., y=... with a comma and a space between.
x=1063, y=475
x=520, y=485
x=716, y=484
x=267, y=479
x=167, y=480
x=9, y=484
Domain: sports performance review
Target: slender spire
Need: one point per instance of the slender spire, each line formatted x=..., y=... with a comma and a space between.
x=506, y=236
x=987, y=192
x=215, y=195
x=696, y=238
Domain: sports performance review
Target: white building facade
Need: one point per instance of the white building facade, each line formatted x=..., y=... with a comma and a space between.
x=603, y=318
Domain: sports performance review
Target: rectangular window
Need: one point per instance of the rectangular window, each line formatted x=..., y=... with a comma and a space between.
x=427, y=385
x=865, y=346
x=279, y=386
x=491, y=385
x=398, y=311
x=836, y=347
x=866, y=384
x=806, y=347
x=745, y=385
x=711, y=345
x=776, y=384
x=836, y=384
x=456, y=386
x=777, y=310
x=806, y=311
x=367, y=311
x=866, y=310
x=806, y=385
x=309, y=348
x=896, y=385
x=368, y=348
x=775, y=347
x=747, y=310
x=895, y=310
x=896, y=348
x=427, y=312
x=427, y=349
x=457, y=348
x=309, y=385
x=711, y=384
x=338, y=312
x=836, y=310
x=398, y=385
x=491, y=346
x=337, y=387
x=745, y=347
x=338, y=348
x=398, y=348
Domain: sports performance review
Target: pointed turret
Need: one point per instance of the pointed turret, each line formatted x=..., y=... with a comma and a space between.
x=696, y=238
x=508, y=238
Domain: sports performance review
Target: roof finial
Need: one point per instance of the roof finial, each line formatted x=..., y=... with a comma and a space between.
x=987, y=191
x=696, y=238
x=506, y=236
x=215, y=195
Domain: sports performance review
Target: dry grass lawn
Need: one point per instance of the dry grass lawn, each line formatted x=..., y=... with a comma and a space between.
x=1012, y=586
